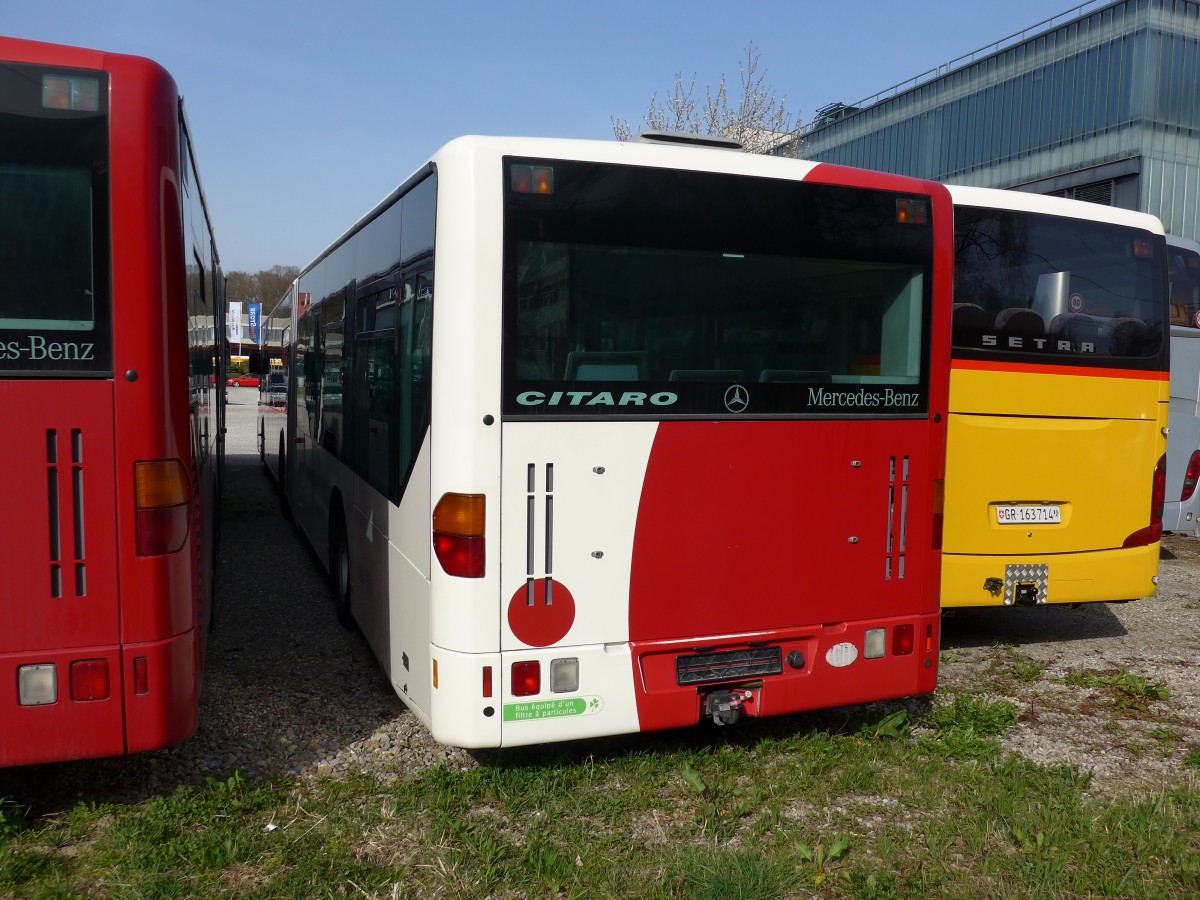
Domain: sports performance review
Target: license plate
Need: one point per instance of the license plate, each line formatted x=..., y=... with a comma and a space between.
x=1029, y=514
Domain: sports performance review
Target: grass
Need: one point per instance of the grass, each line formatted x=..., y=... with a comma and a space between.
x=881, y=808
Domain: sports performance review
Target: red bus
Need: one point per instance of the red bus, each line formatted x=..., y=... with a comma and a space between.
x=111, y=309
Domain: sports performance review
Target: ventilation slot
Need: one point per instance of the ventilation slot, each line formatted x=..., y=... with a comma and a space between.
x=531, y=505
x=52, y=505
x=897, y=517
x=56, y=475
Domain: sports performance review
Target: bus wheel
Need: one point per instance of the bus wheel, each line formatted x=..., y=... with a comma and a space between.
x=339, y=570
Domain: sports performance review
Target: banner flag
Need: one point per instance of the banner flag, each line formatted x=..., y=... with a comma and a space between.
x=235, y=320
x=255, y=313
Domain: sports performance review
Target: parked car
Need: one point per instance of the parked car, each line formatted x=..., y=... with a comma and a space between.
x=242, y=381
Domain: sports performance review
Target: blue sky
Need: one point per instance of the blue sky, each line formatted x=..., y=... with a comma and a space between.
x=305, y=114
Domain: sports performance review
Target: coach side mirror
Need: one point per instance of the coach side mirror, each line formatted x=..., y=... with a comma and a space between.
x=256, y=361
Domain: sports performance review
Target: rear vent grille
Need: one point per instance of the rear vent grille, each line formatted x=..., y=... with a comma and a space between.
x=897, y=518
x=66, y=478
x=733, y=665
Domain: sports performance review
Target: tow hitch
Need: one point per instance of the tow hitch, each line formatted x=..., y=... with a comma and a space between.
x=725, y=707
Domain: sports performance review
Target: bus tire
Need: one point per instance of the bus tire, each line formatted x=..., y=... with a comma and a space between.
x=339, y=570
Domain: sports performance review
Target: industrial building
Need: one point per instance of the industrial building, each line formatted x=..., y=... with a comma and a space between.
x=1099, y=103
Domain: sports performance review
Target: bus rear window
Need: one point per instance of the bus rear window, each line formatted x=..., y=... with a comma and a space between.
x=55, y=311
x=1056, y=289
x=743, y=297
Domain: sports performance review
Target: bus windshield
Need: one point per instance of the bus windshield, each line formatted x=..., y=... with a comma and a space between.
x=645, y=292
x=1066, y=289
x=54, y=294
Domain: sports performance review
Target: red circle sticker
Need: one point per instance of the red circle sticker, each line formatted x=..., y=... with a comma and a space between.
x=1075, y=302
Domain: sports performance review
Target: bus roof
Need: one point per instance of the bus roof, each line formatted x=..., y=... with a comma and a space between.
x=471, y=151
x=964, y=195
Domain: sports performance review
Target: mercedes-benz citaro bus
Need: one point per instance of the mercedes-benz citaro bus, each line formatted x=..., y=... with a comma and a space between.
x=111, y=313
x=1055, y=467
x=601, y=437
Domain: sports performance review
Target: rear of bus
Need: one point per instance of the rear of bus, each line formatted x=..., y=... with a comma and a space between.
x=1058, y=402
x=103, y=570
x=719, y=439
x=1182, y=509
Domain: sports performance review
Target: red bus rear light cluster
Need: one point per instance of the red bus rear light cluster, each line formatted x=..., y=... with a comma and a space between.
x=526, y=677
x=1191, y=477
x=903, y=641
x=37, y=685
x=1158, y=497
x=458, y=534
x=163, y=491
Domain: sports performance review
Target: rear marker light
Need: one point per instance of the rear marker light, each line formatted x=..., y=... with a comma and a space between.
x=564, y=675
x=487, y=681
x=902, y=640
x=526, y=678
x=874, y=643
x=928, y=638
x=37, y=685
x=435, y=674
x=89, y=680
x=79, y=94
x=533, y=180
x=141, y=674
x=912, y=212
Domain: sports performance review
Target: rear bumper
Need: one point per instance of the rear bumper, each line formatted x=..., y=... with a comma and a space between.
x=1097, y=576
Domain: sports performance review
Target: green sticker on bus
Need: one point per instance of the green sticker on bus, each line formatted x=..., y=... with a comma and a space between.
x=552, y=709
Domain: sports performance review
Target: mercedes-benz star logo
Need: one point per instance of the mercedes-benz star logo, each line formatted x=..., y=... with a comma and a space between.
x=737, y=398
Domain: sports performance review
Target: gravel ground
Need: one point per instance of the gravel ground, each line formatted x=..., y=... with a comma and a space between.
x=287, y=691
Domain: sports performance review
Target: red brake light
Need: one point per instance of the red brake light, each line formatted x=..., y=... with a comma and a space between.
x=526, y=678
x=1191, y=476
x=902, y=640
x=89, y=679
x=1158, y=496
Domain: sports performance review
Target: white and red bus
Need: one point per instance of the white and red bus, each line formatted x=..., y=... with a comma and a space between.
x=599, y=437
x=110, y=317
x=1181, y=511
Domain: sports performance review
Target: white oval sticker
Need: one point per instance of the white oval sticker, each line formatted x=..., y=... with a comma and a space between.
x=841, y=655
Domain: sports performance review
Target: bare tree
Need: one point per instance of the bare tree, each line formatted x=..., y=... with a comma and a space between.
x=759, y=121
x=263, y=287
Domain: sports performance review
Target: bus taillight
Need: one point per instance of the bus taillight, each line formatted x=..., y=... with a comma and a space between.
x=89, y=679
x=1158, y=496
x=1191, y=477
x=526, y=678
x=163, y=491
x=458, y=534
